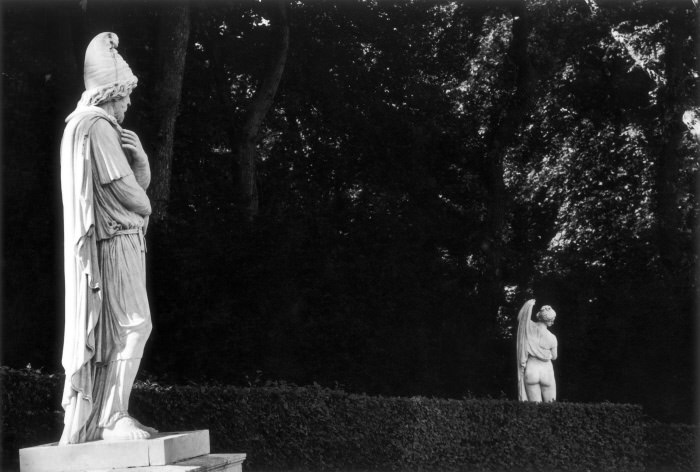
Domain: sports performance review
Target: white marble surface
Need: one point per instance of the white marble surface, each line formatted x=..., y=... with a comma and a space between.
x=159, y=450
x=179, y=446
x=206, y=463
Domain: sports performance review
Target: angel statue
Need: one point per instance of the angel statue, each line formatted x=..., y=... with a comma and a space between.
x=536, y=349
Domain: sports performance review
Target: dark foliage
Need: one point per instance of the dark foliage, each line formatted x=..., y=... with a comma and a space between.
x=375, y=261
x=670, y=447
x=284, y=427
x=31, y=411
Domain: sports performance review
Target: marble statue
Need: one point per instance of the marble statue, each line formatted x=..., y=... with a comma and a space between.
x=536, y=349
x=104, y=177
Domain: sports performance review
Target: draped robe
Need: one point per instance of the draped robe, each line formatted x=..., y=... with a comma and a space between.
x=92, y=337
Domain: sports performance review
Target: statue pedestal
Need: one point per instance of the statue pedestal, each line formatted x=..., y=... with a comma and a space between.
x=207, y=463
x=163, y=452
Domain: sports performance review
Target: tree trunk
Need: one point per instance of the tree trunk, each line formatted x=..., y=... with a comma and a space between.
x=257, y=110
x=505, y=121
x=669, y=160
x=173, y=36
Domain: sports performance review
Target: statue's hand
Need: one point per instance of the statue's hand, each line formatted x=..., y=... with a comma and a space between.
x=133, y=148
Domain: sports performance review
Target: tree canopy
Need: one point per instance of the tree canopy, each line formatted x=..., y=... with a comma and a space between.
x=421, y=169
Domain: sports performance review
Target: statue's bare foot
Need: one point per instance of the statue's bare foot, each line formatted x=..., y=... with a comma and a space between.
x=148, y=429
x=125, y=428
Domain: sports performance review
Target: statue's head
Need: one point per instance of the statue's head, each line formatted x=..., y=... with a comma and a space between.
x=107, y=76
x=546, y=315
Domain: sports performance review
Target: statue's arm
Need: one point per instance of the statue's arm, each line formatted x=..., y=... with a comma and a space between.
x=139, y=159
x=107, y=153
x=142, y=173
x=554, y=347
x=114, y=171
x=130, y=194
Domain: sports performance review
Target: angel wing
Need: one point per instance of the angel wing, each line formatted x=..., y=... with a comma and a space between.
x=524, y=317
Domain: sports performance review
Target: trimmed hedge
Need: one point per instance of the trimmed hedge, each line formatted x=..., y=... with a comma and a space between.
x=313, y=428
x=31, y=411
x=671, y=447
x=286, y=427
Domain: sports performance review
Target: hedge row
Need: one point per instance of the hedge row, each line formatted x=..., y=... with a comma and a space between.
x=671, y=447
x=312, y=428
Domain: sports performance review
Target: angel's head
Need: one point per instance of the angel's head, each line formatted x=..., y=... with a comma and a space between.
x=546, y=315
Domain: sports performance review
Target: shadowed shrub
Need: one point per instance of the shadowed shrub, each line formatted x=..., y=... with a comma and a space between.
x=286, y=427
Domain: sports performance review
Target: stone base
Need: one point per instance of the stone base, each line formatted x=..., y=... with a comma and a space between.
x=207, y=463
x=159, y=450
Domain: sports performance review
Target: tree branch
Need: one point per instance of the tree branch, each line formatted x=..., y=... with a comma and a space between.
x=258, y=109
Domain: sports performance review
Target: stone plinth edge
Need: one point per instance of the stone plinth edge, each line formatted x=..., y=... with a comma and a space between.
x=207, y=463
x=158, y=450
x=211, y=463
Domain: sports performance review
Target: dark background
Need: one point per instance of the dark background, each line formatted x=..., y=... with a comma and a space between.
x=424, y=169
